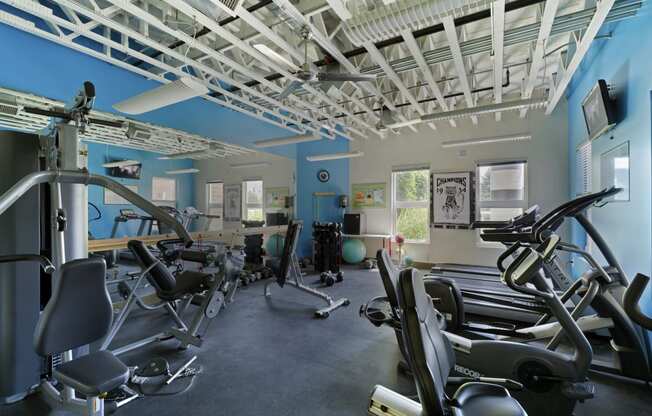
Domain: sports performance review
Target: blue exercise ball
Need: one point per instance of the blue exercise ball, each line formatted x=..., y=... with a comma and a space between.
x=409, y=261
x=354, y=251
x=274, y=245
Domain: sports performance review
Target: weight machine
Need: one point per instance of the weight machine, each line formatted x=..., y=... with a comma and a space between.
x=43, y=209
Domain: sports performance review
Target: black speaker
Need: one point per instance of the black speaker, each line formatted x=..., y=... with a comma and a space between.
x=276, y=218
x=353, y=224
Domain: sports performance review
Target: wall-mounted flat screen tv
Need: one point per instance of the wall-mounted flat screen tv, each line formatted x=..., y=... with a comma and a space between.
x=129, y=172
x=598, y=110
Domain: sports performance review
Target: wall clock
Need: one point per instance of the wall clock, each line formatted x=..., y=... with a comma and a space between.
x=323, y=175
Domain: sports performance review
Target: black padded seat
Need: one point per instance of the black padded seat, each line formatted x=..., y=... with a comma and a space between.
x=483, y=399
x=167, y=286
x=186, y=282
x=432, y=359
x=93, y=374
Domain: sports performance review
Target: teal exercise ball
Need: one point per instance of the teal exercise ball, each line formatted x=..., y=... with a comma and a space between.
x=409, y=261
x=354, y=251
x=274, y=245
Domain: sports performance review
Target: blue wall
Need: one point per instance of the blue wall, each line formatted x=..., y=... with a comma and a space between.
x=48, y=69
x=100, y=153
x=622, y=62
x=307, y=184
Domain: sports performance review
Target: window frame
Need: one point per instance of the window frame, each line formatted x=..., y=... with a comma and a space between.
x=210, y=206
x=165, y=201
x=246, y=206
x=396, y=204
x=523, y=204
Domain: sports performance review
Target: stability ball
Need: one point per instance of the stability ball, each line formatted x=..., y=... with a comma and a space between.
x=409, y=261
x=354, y=251
x=274, y=245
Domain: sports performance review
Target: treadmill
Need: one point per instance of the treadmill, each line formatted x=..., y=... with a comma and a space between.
x=485, y=295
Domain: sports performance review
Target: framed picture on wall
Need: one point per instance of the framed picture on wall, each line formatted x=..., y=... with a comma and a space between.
x=369, y=195
x=275, y=197
x=111, y=198
x=451, y=198
x=614, y=170
x=232, y=203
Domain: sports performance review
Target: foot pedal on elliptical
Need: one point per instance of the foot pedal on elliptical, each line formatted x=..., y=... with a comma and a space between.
x=578, y=391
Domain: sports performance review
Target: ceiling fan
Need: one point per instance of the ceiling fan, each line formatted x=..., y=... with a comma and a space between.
x=304, y=74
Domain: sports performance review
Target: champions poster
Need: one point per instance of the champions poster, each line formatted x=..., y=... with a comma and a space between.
x=451, y=199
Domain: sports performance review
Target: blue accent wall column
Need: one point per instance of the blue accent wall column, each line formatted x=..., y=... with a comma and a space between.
x=308, y=184
x=622, y=62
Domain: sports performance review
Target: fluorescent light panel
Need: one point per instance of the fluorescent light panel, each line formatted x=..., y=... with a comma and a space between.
x=181, y=171
x=250, y=165
x=120, y=163
x=272, y=54
x=281, y=141
x=334, y=156
x=182, y=89
x=487, y=140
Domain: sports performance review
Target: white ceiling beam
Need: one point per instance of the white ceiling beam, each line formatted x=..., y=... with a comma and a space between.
x=244, y=46
x=415, y=50
x=380, y=60
x=602, y=10
x=50, y=17
x=193, y=43
x=498, y=36
x=547, y=19
x=107, y=12
x=458, y=60
x=339, y=8
x=330, y=47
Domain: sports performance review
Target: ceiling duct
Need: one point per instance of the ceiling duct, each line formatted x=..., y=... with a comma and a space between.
x=389, y=20
x=8, y=104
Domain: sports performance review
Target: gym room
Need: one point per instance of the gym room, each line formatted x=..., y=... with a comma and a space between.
x=326, y=207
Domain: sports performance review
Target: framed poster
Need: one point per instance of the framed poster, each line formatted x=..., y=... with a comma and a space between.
x=275, y=197
x=614, y=170
x=111, y=198
x=232, y=203
x=369, y=195
x=451, y=199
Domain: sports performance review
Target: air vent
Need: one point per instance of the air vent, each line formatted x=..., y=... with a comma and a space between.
x=230, y=6
x=8, y=104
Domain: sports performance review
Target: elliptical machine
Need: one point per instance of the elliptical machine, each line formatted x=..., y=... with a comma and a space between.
x=553, y=382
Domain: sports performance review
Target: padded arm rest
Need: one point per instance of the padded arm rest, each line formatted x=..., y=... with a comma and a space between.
x=503, y=382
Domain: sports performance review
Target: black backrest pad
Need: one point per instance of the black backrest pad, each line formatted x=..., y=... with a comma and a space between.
x=160, y=276
x=389, y=274
x=79, y=311
x=291, y=240
x=431, y=355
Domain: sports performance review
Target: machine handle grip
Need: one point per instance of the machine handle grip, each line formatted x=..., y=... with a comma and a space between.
x=510, y=250
x=43, y=261
x=631, y=298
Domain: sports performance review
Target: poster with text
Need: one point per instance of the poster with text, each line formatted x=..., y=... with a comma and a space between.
x=275, y=197
x=232, y=203
x=369, y=195
x=452, y=198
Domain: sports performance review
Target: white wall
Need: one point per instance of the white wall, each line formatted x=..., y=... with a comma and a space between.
x=546, y=153
x=280, y=173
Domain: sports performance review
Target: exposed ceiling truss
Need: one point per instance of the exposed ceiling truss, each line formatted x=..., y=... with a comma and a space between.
x=134, y=134
x=498, y=51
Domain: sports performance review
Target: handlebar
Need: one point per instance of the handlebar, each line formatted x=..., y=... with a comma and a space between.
x=43, y=261
x=507, y=253
x=527, y=264
x=631, y=298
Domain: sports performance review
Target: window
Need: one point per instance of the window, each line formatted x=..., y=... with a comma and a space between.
x=253, y=200
x=501, y=192
x=411, y=204
x=164, y=189
x=215, y=204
